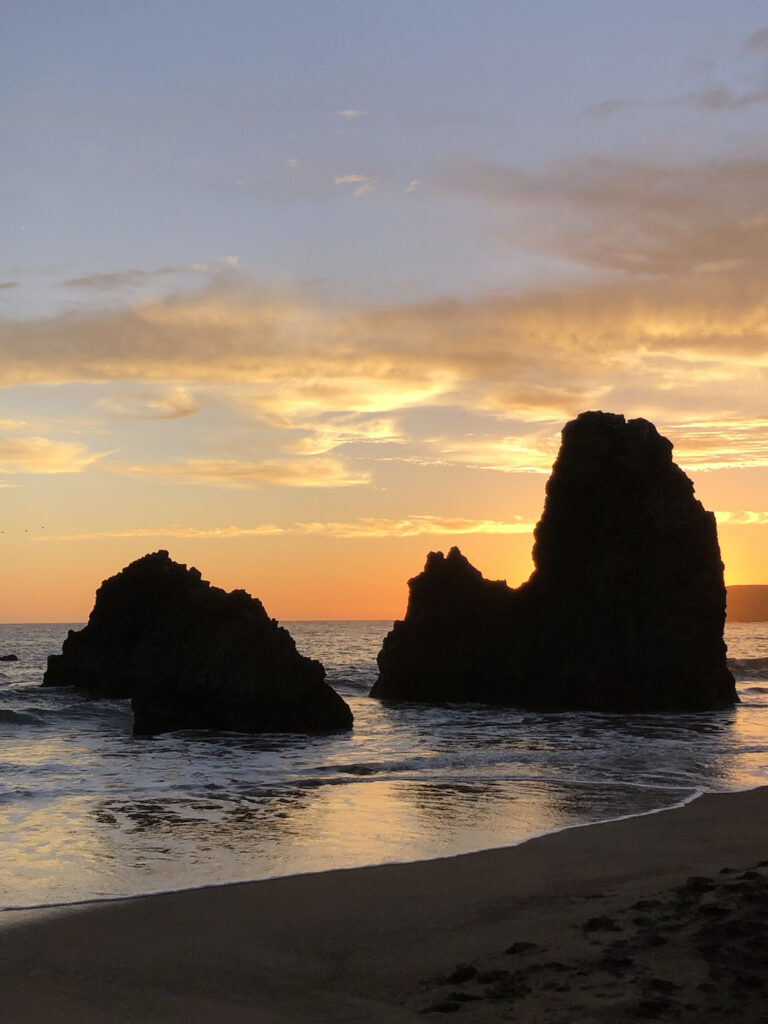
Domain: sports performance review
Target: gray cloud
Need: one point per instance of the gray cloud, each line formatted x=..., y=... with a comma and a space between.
x=121, y=278
x=610, y=107
x=719, y=100
x=758, y=40
x=7, y=285
x=639, y=218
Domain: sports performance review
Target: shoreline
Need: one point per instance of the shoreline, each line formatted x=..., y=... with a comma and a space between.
x=120, y=898
x=382, y=943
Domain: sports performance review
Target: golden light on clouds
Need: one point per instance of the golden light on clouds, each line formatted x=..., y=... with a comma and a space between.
x=370, y=527
x=42, y=455
x=201, y=394
x=310, y=472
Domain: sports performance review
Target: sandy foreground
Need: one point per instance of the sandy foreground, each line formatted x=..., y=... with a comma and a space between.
x=663, y=917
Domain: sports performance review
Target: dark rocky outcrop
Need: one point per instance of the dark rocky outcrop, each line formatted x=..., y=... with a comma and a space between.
x=9, y=657
x=192, y=656
x=624, y=610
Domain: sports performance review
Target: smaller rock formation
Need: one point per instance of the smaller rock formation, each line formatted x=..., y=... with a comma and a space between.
x=191, y=656
x=623, y=612
x=9, y=657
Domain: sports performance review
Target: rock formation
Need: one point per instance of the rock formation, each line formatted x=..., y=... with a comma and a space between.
x=623, y=612
x=9, y=657
x=191, y=656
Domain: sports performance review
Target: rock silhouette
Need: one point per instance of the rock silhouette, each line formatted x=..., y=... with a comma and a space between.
x=191, y=656
x=9, y=657
x=624, y=610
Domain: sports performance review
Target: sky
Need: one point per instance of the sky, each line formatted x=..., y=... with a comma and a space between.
x=301, y=291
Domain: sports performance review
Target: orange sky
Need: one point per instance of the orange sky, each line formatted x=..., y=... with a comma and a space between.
x=314, y=294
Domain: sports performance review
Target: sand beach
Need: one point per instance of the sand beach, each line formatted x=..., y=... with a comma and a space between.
x=655, y=917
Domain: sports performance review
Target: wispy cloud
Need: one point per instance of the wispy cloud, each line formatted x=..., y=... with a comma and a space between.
x=722, y=444
x=172, y=403
x=638, y=218
x=352, y=115
x=177, y=532
x=412, y=526
x=742, y=518
x=309, y=472
x=7, y=285
x=363, y=182
x=42, y=455
x=719, y=99
x=415, y=526
x=757, y=41
x=714, y=99
x=122, y=278
x=331, y=433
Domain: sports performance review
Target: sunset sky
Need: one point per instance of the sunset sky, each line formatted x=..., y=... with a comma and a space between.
x=303, y=289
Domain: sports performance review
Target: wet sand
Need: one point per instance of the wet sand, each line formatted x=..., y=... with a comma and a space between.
x=660, y=917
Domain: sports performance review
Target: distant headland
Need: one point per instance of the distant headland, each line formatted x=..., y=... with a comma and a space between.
x=748, y=603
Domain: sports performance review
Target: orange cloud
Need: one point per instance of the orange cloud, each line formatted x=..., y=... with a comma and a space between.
x=367, y=527
x=309, y=472
x=171, y=403
x=41, y=455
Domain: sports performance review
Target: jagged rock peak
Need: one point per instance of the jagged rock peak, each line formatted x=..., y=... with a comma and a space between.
x=191, y=655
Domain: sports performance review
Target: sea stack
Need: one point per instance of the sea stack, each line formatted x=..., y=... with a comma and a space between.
x=192, y=656
x=624, y=610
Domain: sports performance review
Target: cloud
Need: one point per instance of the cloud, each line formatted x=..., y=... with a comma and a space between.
x=41, y=455
x=323, y=378
x=363, y=182
x=633, y=217
x=309, y=472
x=412, y=526
x=742, y=518
x=532, y=452
x=7, y=285
x=713, y=100
x=758, y=41
x=670, y=322
x=172, y=403
x=412, y=186
x=122, y=278
x=719, y=100
x=352, y=115
x=330, y=433
x=722, y=444
x=178, y=532
x=611, y=107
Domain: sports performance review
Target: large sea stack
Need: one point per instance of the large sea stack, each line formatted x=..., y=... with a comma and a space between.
x=191, y=656
x=625, y=608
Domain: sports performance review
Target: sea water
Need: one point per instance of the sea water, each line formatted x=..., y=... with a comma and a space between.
x=87, y=811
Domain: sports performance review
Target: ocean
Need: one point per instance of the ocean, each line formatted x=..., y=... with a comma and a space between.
x=88, y=812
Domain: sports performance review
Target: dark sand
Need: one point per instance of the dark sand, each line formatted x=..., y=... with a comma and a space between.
x=661, y=917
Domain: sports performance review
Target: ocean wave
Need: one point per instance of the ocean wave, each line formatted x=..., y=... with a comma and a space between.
x=748, y=668
x=8, y=717
x=350, y=684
